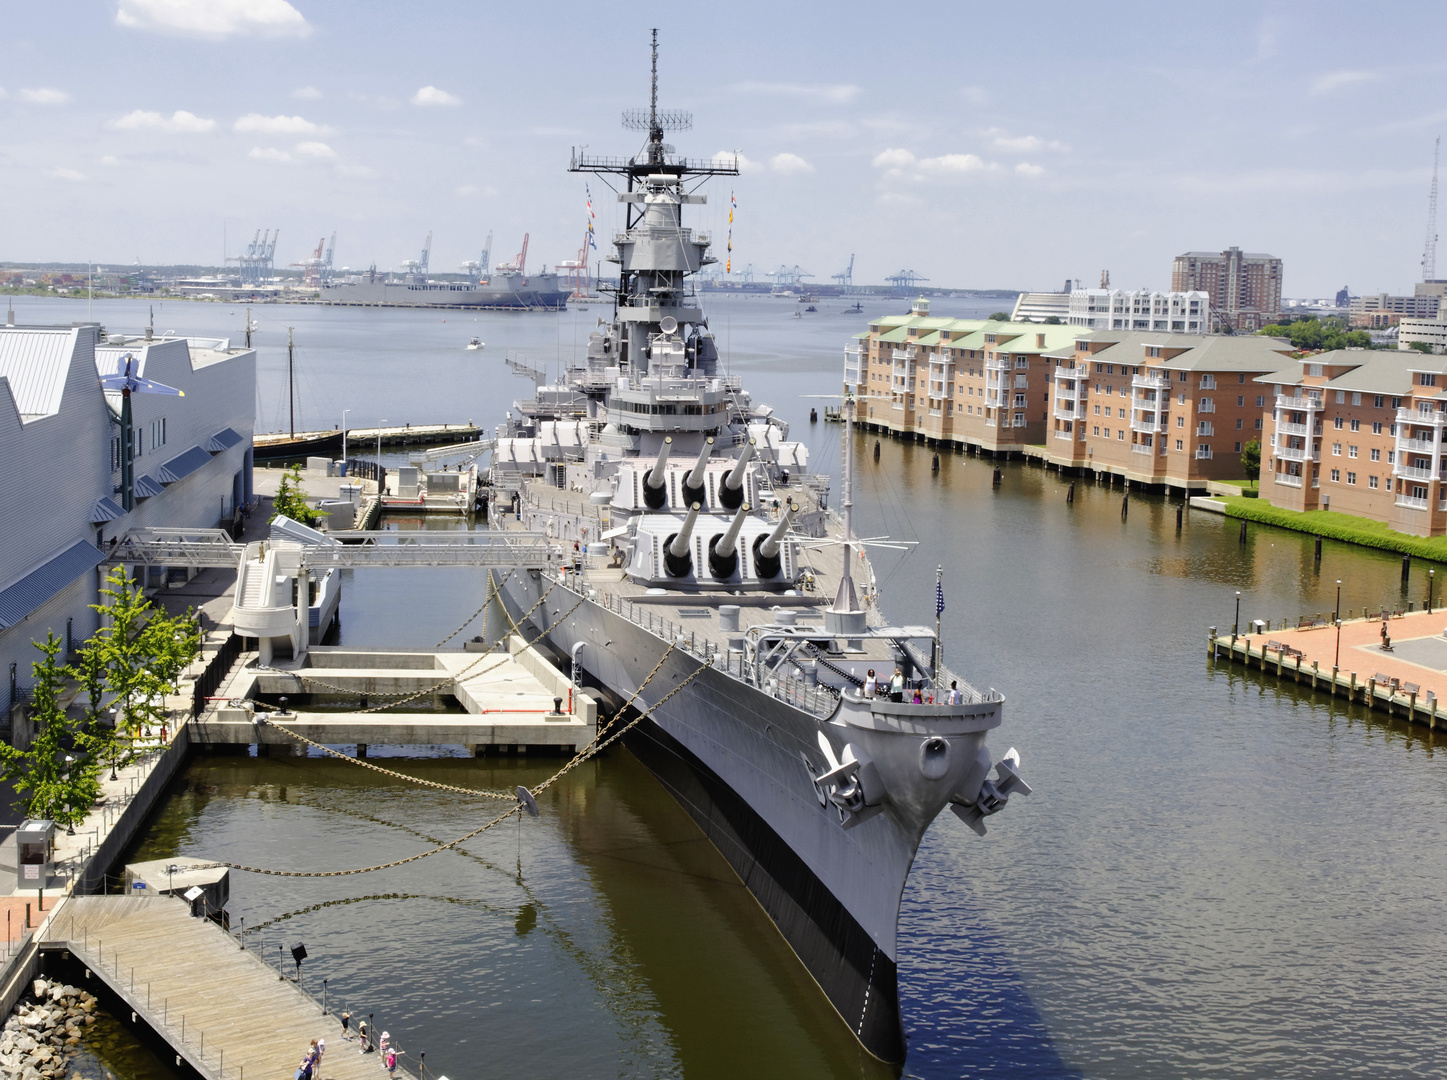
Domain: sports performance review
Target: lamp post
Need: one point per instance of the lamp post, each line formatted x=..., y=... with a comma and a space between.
x=1431, y=580
x=1336, y=661
x=1236, y=623
x=344, y=434
x=379, y=455
x=1336, y=615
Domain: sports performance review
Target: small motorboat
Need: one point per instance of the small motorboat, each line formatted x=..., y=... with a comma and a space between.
x=475, y=343
x=811, y=307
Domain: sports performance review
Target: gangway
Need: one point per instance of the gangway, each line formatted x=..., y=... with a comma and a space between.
x=471, y=450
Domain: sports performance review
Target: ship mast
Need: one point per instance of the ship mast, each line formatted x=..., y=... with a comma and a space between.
x=845, y=616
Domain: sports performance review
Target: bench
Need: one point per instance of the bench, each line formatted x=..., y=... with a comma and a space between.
x=1389, y=681
x=1411, y=688
x=1311, y=622
x=1284, y=649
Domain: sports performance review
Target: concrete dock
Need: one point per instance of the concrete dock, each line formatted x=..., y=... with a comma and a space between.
x=1409, y=681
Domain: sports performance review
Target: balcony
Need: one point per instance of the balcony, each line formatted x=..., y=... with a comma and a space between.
x=1297, y=453
x=1411, y=502
x=1204, y=453
x=1146, y=423
x=1067, y=435
x=1298, y=404
x=1285, y=428
x=1064, y=410
x=909, y=352
x=1206, y=407
x=1417, y=416
x=1151, y=382
x=1287, y=480
x=1407, y=472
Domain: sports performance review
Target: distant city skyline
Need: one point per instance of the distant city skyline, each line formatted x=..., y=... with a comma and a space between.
x=954, y=142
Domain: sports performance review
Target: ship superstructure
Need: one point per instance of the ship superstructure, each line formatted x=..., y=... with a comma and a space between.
x=715, y=585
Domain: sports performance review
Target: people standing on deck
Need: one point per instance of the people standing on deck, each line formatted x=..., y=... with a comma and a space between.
x=346, y=1026
x=957, y=696
x=896, y=686
x=871, y=684
x=918, y=698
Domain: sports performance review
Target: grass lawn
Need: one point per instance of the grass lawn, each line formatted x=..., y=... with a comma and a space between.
x=1345, y=527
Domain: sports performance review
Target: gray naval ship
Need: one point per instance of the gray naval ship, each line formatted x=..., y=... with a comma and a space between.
x=714, y=585
x=505, y=288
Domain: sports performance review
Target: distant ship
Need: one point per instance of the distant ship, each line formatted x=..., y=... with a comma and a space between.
x=509, y=288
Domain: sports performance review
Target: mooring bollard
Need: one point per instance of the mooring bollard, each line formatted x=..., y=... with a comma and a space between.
x=876, y=449
x=1242, y=538
x=1180, y=513
x=1124, y=506
x=1318, y=549
x=997, y=478
x=1406, y=568
x=935, y=465
x=1070, y=493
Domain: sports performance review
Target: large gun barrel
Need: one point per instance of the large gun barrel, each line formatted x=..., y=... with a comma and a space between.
x=695, y=476
x=726, y=543
x=677, y=558
x=658, y=475
x=770, y=547
x=735, y=479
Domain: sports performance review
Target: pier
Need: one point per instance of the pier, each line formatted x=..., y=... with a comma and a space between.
x=283, y=444
x=1407, y=682
x=220, y=1007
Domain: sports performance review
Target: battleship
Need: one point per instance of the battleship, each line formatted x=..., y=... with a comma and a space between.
x=715, y=590
x=507, y=288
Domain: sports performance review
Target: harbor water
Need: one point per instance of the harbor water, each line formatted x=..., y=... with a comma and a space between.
x=1218, y=874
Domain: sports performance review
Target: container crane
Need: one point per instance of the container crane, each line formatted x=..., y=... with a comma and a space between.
x=846, y=279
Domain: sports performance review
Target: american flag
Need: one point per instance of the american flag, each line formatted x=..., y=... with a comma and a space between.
x=939, y=597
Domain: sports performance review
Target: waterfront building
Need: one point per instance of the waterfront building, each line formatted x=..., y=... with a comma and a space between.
x=963, y=382
x=1361, y=433
x=1170, y=411
x=1244, y=286
x=1381, y=310
x=61, y=452
x=1430, y=332
x=1038, y=307
x=1139, y=309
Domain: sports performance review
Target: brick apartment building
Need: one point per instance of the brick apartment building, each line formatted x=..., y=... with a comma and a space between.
x=1169, y=411
x=962, y=382
x=1244, y=286
x=1361, y=433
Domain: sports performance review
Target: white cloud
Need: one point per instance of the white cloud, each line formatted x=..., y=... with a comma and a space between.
x=746, y=165
x=269, y=153
x=108, y=159
x=893, y=159
x=67, y=174
x=954, y=163
x=465, y=191
x=360, y=172
x=44, y=95
x=316, y=150
x=306, y=93
x=431, y=95
x=179, y=122
x=789, y=164
x=829, y=93
x=276, y=125
x=1336, y=80
x=1024, y=144
x=1026, y=169
x=213, y=19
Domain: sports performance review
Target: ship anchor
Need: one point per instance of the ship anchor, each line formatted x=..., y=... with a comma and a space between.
x=850, y=783
x=993, y=794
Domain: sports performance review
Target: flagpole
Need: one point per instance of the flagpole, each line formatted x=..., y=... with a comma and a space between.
x=939, y=607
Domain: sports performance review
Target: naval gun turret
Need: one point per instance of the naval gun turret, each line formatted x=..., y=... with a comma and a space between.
x=731, y=492
x=677, y=550
x=693, y=490
x=767, y=562
x=655, y=482
x=723, y=549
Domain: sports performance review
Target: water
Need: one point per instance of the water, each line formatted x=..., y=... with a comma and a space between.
x=1217, y=875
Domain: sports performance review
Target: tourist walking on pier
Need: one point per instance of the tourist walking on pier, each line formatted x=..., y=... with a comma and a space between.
x=346, y=1026
x=391, y=1061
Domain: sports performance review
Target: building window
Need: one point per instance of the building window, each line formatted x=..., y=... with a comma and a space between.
x=1377, y=400
x=1356, y=425
x=1351, y=451
x=1180, y=421
x=1341, y=396
x=1372, y=482
x=1019, y=401
x=1240, y=400
x=1351, y=478
x=1107, y=433
x=1261, y=401
x=1336, y=449
x=1391, y=457
x=1179, y=445
x=1120, y=435
x=1238, y=448
x=1240, y=423
x=1095, y=430
x=1425, y=378
x=1376, y=454
x=1258, y=423
x=1097, y=410
x=1336, y=476
x=1376, y=427
x=1336, y=422
x=1396, y=403
x=1356, y=399
x=1314, y=369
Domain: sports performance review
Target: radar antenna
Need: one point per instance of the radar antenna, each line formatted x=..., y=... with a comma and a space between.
x=655, y=122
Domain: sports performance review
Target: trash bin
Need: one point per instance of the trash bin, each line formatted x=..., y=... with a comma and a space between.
x=33, y=840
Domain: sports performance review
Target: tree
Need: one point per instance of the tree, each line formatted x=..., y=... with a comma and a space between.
x=1000, y=316
x=1251, y=460
x=49, y=786
x=291, y=501
x=1421, y=346
x=1310, y=334
x=1052, y=320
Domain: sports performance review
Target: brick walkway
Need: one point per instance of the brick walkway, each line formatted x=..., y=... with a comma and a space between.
x=1414, y=638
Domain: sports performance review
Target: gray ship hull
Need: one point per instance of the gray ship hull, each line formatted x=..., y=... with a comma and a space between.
x=508, y=293
x=735, y=759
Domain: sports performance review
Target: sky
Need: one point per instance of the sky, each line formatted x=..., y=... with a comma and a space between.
x=981, y=146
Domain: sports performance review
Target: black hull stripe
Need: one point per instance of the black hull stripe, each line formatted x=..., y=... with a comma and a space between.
x=859, y=980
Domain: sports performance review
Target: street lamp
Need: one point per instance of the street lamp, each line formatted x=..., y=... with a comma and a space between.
x=1431, y=580
x=344, y=434
x=1336, y=615
x=379, y=455
x=1236, y=624
x=1336, y=661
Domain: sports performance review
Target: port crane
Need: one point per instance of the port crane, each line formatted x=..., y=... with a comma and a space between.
x=520, y=264
x=478, y=268
x=419, y=266
x=846, y=278
x=905, y=279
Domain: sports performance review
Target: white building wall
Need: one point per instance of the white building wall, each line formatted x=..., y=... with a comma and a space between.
x=1140, y=309
x=54, y=467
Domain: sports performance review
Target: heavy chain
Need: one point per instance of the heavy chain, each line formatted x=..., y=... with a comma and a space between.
x=492, y=591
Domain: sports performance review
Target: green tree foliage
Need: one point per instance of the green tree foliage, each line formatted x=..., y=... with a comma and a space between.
x=1310, y=334
x=290, y=500
x=1000, y=316
x=1052, y=320
x=1251, y=460
x=1420, y=346
x=48, y=786
x=143, y=650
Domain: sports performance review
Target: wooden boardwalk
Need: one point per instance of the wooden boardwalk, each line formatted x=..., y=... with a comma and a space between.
x=1410, y=681
x=221, y=1008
